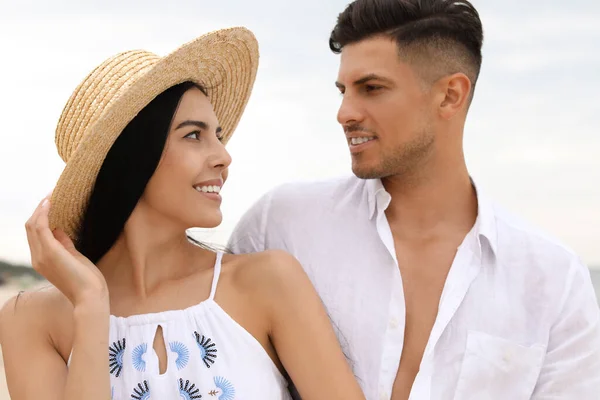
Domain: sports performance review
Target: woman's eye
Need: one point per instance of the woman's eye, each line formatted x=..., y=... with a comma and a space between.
x=193, y=135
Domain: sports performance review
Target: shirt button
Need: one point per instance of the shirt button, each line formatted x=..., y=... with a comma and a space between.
x=384, y=396
x=394, y=323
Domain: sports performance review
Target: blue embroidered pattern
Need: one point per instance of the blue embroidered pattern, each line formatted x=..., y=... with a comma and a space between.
x=142, y=392
x=188, y=392
x=137, y=357
x=226, y=388
x=208, y=352
x=183, y=354
x=115, y=357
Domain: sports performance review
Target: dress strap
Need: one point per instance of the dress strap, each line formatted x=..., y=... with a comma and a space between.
x=217, y=274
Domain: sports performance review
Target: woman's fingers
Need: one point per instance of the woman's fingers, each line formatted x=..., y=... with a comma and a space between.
x=45, y=249
x=31, y=221
x=42, y=228
x=53, y=255
x=65, y=241
x=30, y=229
x=52, y=251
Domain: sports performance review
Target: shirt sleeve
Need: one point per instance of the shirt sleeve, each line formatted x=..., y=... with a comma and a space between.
x=249, y=235
x=571, y=368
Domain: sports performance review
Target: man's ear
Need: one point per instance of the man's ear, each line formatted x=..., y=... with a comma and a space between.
x=454, y=94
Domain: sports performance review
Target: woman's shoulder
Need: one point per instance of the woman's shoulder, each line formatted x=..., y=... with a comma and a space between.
x=35, y=302
x=267, y=272
x=263, y=264
x=42, y=310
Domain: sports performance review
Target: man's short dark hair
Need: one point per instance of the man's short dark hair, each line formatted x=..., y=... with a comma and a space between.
x=441, y=37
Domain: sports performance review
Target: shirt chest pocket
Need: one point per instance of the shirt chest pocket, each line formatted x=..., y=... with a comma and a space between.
x=496, y=368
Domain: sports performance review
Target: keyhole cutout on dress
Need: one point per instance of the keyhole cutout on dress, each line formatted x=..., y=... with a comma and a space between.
x=161, y=350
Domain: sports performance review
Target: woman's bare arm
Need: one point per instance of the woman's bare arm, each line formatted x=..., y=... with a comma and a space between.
x=34, y=367
x=302, y=333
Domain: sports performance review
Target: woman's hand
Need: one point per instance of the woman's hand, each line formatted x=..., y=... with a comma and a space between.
x=54, y=256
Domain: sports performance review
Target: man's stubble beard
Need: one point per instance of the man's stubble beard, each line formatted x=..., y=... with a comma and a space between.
x=401, y=161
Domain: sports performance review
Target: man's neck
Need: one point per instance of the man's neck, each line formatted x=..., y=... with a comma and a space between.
x=429, y=206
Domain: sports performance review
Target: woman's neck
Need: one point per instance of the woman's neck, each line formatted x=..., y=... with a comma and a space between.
x=150, y=252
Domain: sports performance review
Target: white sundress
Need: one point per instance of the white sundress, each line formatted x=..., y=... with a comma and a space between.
x=209, y=356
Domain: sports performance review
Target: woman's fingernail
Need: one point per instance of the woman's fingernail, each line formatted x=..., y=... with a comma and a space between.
x=45, y=203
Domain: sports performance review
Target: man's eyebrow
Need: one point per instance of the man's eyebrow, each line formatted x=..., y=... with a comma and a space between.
x=363, y=80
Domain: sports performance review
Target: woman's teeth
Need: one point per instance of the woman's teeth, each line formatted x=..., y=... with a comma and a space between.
x=208, y=189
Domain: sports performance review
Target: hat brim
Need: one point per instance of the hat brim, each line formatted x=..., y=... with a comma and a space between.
x=225, y=62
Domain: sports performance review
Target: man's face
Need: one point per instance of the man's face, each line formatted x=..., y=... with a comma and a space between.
x=386, y=110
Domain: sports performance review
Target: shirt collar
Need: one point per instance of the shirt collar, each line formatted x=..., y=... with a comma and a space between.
x=485, y=225
x=378, y=200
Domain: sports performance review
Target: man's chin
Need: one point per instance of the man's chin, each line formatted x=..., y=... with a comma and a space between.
x=366, y=173
x=361, y=174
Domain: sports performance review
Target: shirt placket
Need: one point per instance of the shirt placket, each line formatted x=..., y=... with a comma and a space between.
x=464, y=270
x=394, y=334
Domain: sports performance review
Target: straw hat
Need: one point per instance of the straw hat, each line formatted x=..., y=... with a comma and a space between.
x=225, y=62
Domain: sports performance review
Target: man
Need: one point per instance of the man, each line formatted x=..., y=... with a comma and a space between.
x=435, y=291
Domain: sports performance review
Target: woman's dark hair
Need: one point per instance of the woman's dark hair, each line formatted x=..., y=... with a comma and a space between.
x=125, y=172
x=444, y=31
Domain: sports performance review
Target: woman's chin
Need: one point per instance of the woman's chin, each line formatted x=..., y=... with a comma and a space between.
x=211, y=221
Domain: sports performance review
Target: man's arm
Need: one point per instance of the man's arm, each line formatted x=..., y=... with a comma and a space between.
x=571, y=368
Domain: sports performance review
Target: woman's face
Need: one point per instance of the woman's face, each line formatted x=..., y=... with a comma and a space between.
x=185, y=187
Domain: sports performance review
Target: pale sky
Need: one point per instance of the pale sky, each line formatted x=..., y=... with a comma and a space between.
x=532, y=139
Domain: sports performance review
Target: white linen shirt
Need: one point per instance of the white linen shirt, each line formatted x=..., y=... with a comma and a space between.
x=518, y=317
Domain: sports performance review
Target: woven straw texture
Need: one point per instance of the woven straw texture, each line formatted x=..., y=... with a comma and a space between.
x=225, y=62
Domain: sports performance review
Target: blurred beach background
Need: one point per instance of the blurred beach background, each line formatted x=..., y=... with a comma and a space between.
x=531, y=140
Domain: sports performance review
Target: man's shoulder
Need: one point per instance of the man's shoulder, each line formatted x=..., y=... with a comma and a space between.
x=291, y=208
x=318, y=188
x=537, y=267
x=519, y=236
x=314, y=194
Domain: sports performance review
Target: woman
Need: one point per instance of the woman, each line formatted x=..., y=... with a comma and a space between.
x=137, y=311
